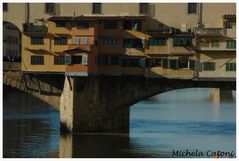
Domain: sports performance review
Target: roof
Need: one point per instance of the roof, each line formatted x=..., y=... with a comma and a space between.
x=39, y=51
x=38, y=33
x=77, y=49
x=229, y=16
x=95, y=18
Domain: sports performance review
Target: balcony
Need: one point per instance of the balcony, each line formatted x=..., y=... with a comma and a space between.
x=210, y=32
x=31, y=28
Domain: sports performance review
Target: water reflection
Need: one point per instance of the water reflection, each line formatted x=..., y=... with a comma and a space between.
x=181, y=119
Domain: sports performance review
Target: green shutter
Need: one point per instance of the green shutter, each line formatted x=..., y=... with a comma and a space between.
x=142, y=62
x=165, y=63
x=192, y=64
x=68, y=59
x=85, y=59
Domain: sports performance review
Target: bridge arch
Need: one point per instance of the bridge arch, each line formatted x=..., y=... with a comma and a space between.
x=100, y=103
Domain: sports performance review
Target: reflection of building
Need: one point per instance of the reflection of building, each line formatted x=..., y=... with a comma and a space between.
x=175, y=40
x=11, y=40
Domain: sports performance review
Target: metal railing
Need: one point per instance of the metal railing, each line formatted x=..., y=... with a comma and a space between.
x=29, y=27
x=210, y=31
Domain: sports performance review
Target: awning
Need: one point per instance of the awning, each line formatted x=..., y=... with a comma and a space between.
x=78, y=49
x=39, y=51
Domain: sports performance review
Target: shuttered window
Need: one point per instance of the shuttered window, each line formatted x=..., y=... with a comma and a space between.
x=37, y=60
x=182, y=41
x=165, y=63
x=231, y=44
x=37, y=40
x=59, y=60
x=60, y=40
x=209, y=66
x=230, y=66
x=154, y=41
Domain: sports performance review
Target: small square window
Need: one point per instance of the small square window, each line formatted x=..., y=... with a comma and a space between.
x=192, y=8
x=96, y=8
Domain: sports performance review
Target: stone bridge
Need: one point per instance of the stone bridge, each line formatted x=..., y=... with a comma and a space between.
x=99, y=103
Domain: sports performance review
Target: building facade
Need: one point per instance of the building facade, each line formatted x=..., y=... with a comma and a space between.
x=172, y=40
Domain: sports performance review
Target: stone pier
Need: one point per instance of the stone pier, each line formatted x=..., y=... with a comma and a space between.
x=218, y=94
x=85, y=107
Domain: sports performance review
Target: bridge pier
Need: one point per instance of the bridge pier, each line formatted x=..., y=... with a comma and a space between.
x=85, y=108
x=218, y=94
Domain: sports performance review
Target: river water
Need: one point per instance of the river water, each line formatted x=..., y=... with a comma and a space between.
x=180, y=123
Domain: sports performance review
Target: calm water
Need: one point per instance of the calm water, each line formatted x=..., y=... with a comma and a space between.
x=178, y=120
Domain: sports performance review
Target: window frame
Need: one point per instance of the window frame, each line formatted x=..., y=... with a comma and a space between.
x=5, y=7
x=209, y=66
x=59, y=60
x=58, y=42
x=192, y=10
x=230, y=67
x=143, y=8
x=95, y=9
x=51, y=9
x=37, y=60
x=37, y=40
x=231, y=44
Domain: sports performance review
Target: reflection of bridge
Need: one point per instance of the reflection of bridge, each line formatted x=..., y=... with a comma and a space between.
x=99, y=103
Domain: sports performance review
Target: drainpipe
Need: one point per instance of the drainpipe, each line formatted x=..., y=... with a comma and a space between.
x=200, y=26
x=27, y=13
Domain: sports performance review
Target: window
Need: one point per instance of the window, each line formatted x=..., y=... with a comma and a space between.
x=209, y=66
x=76, y=59
x=143, y=8
x=192, y=64
x=124, y=62
x=156, y=62
x=133, y=62
x=157, y=41
x=83, y=25
x=127, y=43
x=60, y=40
x=84, y=59
x=37, y=60
x=37, y=40
x=5, y=7
x=183, y=62
x=192, y=8
x=50, y=8
x=230, y=66
x=173, y=64
x=68, y=59
x=84, y=40
x=127, y=24
x=215, y=43
x=182, y=41
x=109, y=41
x=104, y=60
x=110, y=24
x=96, y=8
x=165, y=63
x=133, y=43
x=60, y=23
x=204, y=43
x=228, y=24
x=76, y=40
x=59, y=60
x=137, y=25
x=132, y=25
x=231, y=44
x=114, y=60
